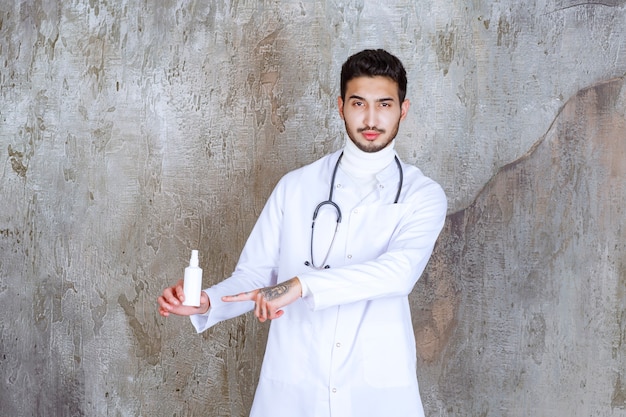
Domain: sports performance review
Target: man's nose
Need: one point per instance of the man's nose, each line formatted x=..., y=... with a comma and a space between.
x=370, y=118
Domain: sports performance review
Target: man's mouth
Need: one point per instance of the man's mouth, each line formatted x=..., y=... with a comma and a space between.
x=371, y=133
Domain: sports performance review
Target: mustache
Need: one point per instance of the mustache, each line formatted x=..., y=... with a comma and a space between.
x=370, y=129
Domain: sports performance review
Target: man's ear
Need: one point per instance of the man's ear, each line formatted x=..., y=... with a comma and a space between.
x=340, y=106
x=404, y=108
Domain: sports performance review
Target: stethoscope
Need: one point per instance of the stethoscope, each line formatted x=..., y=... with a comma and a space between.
x=330, y=202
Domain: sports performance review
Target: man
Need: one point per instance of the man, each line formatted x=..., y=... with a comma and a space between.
x=341, y=341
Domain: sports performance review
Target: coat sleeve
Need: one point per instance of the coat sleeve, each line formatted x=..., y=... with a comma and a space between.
x=256, y=268
x=392, y=273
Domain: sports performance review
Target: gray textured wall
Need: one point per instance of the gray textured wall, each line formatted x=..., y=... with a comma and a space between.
x=132, y=132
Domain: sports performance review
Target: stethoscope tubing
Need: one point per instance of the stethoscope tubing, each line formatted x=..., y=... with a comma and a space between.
x=338, y=210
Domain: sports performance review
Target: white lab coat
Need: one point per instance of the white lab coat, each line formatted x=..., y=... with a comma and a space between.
x=347, y=347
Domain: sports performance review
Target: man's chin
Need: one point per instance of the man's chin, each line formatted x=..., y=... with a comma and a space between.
x=372, y=147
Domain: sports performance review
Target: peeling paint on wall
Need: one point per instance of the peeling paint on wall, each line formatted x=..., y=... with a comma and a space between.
x=536, y=264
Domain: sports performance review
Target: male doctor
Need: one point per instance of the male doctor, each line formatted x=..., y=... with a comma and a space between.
x=341, y=341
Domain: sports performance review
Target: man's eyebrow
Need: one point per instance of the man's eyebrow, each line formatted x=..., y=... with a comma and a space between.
x=379, y=100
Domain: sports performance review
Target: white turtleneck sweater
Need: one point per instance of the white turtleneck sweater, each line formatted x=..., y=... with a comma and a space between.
x=362, y=167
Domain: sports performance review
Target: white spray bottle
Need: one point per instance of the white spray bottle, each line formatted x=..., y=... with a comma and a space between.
x=192, y=286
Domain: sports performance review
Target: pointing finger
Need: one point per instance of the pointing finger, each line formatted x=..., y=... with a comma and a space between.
x=244, y=296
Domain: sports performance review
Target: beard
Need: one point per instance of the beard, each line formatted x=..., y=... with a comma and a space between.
x=371, y=147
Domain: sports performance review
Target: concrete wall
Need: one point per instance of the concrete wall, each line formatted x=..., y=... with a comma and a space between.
x=132, y=132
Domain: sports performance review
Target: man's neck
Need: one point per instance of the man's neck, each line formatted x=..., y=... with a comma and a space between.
x=360, y=164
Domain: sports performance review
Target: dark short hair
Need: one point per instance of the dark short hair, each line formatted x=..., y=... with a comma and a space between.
x=372, y=63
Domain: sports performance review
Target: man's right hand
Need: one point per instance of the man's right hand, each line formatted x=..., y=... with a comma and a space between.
x=171, y=302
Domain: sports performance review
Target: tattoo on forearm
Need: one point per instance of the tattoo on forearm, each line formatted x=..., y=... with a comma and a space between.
x=271, y=293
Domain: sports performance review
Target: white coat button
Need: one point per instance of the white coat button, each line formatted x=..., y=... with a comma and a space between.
x=356, y=211
x=338, y=345
x=334, y=390
x=349, y=256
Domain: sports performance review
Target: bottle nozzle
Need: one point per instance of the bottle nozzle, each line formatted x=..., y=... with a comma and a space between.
x=194, y=258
